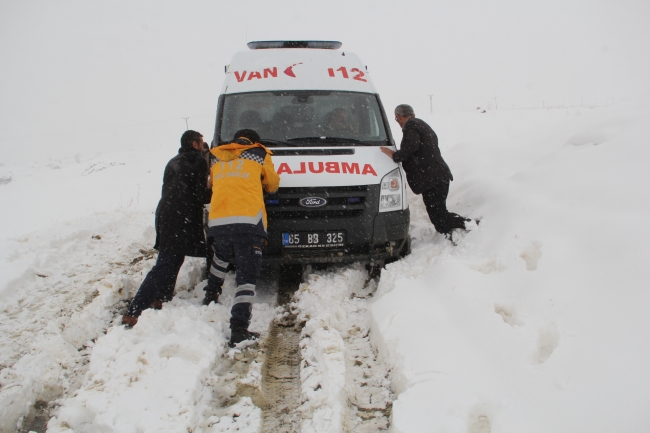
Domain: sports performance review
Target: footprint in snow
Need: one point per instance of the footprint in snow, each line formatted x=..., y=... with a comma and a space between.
x=600, y=132
x=184, y=352
x=481, y=424
x=479, y=418
x=532, y=254
x=548, y=340
x=492, y=264
x=508, y=313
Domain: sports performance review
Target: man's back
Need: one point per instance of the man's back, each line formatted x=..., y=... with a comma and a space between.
x=238, y=177
x=179, y=215
x=427, y=173
x=420, y=156
x=237, y=223
x=184, y=179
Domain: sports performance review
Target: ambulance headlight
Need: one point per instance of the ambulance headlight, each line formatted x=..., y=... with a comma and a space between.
x=391, y=183
x=390, y=198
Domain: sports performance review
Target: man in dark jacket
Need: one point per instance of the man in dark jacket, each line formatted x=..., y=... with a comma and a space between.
x=427, y=173
x=179, y=224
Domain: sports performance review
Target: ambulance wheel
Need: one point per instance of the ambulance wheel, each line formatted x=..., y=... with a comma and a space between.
x=374, y=269
x=406, y=248
x=289, y=281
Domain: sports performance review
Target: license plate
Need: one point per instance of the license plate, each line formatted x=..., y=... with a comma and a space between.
x=320, y=239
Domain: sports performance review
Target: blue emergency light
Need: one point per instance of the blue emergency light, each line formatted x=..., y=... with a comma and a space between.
x=323, y=45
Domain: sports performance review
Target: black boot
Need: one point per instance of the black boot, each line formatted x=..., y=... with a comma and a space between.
x=237, y=335
x=450, y=237
x=210, y=297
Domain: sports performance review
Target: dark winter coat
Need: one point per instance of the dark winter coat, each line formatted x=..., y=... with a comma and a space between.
x=179, y=216
x=420, y=156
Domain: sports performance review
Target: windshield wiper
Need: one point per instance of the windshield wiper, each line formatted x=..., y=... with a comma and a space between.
x=331, y=140
x=277, y=142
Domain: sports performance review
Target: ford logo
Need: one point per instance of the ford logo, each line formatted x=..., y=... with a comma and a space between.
x=313, y=202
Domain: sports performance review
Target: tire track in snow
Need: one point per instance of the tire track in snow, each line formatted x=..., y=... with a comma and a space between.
x=370, y=398
x=281, y=380
x=281, y=371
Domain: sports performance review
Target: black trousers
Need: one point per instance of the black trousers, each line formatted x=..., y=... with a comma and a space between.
x=246, y=249
x=158, y=284
x=435, y=200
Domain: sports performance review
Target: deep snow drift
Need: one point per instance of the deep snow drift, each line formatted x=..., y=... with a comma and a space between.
x=536, y=321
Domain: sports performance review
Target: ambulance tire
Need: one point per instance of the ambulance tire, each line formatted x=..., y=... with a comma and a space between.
x=374, y=269
x=291, y=273
x=403, y=252
x=406, y=248
x=289, y=281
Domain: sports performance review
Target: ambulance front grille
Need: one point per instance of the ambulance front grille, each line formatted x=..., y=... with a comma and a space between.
x=314, y=214
x=331, y=201
x=342, y=202
x=338, y=190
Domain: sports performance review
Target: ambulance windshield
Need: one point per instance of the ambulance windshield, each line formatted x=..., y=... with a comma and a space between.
x=305, y=118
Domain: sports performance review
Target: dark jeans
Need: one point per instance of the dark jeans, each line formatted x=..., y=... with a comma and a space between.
x=435, y=201
x=158, y=284
x=246, y=249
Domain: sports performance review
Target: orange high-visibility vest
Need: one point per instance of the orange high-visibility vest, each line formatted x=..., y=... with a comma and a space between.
x=238, y=176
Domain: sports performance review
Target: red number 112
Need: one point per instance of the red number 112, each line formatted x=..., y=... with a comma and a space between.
x=344, y=72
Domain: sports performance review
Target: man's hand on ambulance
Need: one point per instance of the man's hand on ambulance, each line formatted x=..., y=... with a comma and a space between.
x=388, y=151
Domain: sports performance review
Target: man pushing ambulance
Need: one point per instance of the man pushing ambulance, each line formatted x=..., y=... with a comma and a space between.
x=237, y=222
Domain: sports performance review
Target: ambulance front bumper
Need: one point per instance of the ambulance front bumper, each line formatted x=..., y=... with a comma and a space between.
x=370, y=236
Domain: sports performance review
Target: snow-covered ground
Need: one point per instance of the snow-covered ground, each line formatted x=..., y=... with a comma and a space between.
x=536, y=321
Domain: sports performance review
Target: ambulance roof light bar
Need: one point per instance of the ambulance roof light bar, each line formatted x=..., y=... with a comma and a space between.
x=323, y=45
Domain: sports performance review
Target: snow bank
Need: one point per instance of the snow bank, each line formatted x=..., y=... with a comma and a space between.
x=343, y=387
x=537, y=321
x=50, y=315
x=75, y=244
x=321, y=306
x=59, y=197
x=163, y=374
x=148, y=378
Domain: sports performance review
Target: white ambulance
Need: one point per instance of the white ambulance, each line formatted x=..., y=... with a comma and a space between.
x=340, y=198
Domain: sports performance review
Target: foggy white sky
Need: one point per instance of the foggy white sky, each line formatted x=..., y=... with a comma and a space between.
x=84, y=77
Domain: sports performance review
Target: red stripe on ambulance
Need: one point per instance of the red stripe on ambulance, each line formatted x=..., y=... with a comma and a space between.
x=327, y=167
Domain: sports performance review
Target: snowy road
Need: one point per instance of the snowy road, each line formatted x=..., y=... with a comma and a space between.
x=314, y=371
x=536, y=321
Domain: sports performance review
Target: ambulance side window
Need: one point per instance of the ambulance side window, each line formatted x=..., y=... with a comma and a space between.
x=373, y=121
x=374, y=127
x=229, y=119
